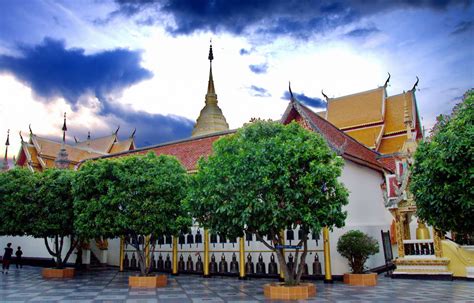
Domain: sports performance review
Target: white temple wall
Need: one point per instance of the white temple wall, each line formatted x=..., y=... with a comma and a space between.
x=365, y=212
x=35, y=247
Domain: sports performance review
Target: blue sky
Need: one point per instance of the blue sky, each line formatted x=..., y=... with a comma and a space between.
x=144, y=63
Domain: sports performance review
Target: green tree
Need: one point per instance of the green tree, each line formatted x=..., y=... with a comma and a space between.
x=357, y=247
x=39, y=205
x=17, y=195
x=53, y=213
x=265, y=178
x=135, y=195
x=443, y=173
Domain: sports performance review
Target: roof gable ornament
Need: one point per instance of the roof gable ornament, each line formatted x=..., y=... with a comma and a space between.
x=292, y=98
x=325, y=96
x=386, y=81
x=21, y=137
x=116, y=131
x=133, y=133
x=416, y=84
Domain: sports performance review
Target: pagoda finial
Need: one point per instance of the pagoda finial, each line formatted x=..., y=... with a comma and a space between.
x=211, y=55
x=386, y=81
x=133, y=133
x=210, y=87
x=64, y=128
x=416, y=84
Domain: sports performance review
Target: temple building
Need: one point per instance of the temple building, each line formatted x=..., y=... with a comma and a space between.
x=39, y=153
x=376, y=136
x=375, y=119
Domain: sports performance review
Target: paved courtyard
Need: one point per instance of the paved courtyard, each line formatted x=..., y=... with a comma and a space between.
x=109, y=285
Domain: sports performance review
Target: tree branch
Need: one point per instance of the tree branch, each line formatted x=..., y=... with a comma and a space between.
x=48, y=248
x=260, y=238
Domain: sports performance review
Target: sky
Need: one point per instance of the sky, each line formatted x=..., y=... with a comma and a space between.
x=143, y=64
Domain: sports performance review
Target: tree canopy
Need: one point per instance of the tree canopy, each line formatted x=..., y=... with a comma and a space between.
x=18, y=194
x=268, y=177
x=357, y=247
x=134, y=195
x=443, y=174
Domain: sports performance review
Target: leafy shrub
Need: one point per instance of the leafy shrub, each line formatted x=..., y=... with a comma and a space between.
x=357, y=246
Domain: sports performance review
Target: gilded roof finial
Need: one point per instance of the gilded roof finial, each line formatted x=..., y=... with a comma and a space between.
x=31, y=132
x=416, y=84
x=386, y=81
x=21, y=137
x=64, y=128
x=116, y=131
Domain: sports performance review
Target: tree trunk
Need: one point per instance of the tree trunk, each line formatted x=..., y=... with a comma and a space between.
x=141, y=261
x=303, y=259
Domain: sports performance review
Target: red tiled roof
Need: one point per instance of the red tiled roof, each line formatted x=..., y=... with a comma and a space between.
x=188, y=151
x=388, y=162
x=337, y=139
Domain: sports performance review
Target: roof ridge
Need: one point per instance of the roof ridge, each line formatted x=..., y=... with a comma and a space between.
x=355, y=94
x=71, y=145
x=164, y=144
x=340, y=131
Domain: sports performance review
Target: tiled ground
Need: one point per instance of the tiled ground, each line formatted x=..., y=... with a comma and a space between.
x=27, y=285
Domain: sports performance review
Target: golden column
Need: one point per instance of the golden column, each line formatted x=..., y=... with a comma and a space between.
x=174, y=270
x=121, y=252
x=400, y=233
x=282, y=237
x=241, y=258
x=147, y=251
x=327, y=256
x=206, y=253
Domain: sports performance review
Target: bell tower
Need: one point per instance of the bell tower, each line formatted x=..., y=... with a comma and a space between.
x=211, y=119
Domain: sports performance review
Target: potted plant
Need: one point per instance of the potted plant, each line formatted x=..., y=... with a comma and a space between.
x=357, y=247
x=132, y=196
x=263, y=179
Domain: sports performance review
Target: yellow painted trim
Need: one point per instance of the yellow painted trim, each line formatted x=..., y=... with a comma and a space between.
x=241, y=257
x=327, y=255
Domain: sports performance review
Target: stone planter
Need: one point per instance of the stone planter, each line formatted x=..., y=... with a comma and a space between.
x=148, y=281
x=361, y=279
x=58, y=273
x=280, y=291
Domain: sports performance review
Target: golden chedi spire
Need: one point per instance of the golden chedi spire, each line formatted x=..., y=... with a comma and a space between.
x=211, y=119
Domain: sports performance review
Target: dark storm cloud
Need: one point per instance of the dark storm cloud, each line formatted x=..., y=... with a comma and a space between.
x=259, y=91
x=362, y=32
x=297, y=18
x=463, y=27
x=313, y=102
x=259, y=68
x=153, y=128
x=53, y=71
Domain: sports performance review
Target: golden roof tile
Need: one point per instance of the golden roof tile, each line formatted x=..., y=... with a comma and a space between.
x=121, y=146
x=369, y=136
x=394, y=114
x=102, y=144
x=359, y=109
x=392, y=145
